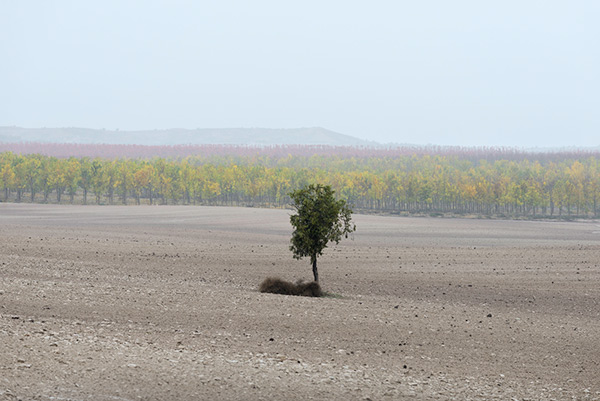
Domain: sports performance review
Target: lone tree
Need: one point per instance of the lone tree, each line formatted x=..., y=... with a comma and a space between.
x=320, y=219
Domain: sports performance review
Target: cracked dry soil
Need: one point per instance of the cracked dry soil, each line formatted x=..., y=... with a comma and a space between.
x=155, y=303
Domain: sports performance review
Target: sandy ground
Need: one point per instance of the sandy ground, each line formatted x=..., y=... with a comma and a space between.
x=161, y=303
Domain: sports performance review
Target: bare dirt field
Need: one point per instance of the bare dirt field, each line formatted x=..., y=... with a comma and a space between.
x=161, y=303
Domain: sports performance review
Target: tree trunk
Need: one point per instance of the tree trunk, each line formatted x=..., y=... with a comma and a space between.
x=314, y=266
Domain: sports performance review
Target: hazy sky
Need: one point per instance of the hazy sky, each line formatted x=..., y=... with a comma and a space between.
x=521, y=73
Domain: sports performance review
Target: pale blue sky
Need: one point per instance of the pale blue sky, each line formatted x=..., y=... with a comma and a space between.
x=520, y=73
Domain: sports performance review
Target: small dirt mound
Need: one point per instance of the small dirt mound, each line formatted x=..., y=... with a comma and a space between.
x=279, y=286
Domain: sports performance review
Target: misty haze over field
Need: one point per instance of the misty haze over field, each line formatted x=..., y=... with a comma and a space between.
x=462, y=73
x=231, y=136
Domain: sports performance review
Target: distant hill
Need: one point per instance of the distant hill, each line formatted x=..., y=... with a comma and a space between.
x=179, y=136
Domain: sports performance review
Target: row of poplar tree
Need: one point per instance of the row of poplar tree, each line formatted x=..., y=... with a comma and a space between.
x=414, y=184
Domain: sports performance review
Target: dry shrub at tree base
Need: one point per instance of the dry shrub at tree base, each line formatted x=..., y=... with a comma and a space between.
x=278, y=286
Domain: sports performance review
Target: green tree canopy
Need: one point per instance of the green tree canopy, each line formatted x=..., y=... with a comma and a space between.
x=320, y=219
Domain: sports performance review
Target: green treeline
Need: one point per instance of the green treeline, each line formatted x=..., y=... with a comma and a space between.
x=402, y=184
